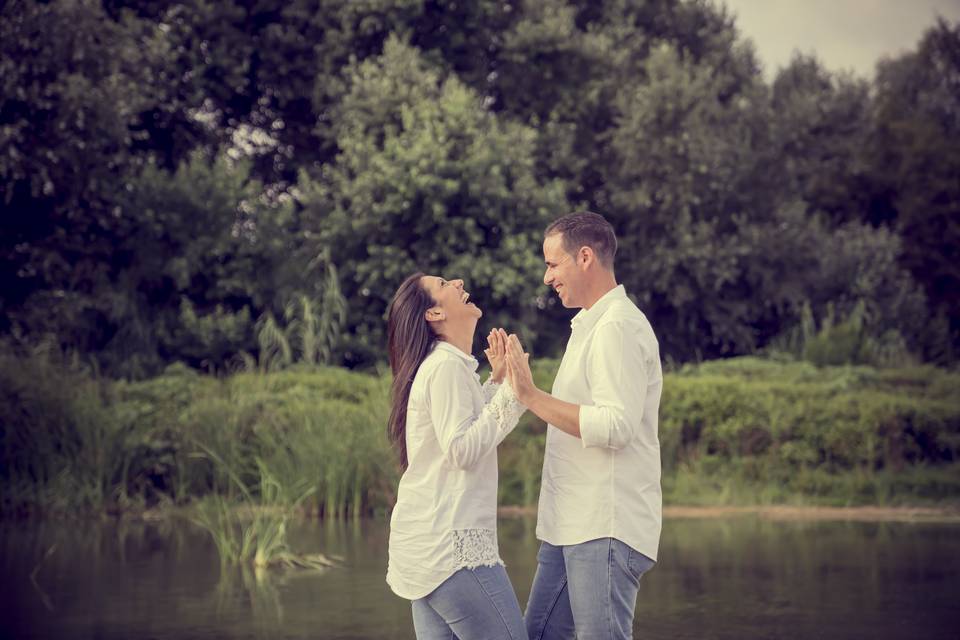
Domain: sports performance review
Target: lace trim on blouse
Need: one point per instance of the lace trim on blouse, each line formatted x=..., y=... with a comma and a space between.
x=474, y=548
x=505, y=406
x=489, y=388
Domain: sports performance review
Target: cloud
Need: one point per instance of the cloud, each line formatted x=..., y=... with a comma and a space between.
x=844, y=34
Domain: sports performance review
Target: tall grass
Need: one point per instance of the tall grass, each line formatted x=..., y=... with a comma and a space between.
x=841, y=340
x=62, y=443
x=71, y=442
x=257, y=533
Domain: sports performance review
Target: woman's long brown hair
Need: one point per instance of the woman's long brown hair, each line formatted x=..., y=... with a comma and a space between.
x=409, y=340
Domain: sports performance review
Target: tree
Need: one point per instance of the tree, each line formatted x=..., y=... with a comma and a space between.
x=428, y=179
x=916, y=162
x=821, y=125
x=173, y=175
x=73, y=83
x=688, y=175
x=205, y=254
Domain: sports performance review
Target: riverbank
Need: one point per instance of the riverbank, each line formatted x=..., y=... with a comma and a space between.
x=948, y=514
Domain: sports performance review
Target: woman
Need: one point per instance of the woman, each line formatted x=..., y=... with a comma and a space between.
x=446, y=428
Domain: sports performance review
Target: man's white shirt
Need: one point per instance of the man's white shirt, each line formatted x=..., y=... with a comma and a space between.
x=606, y=484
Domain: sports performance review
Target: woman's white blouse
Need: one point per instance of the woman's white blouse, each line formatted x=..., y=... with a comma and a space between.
x=445, y=518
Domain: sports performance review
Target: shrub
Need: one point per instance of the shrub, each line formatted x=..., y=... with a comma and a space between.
x=738, y=430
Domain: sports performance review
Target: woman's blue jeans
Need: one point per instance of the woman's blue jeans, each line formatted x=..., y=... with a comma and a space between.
x=588, y=589
x=469, y=605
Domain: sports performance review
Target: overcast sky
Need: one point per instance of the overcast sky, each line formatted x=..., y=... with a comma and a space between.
x=844, y=34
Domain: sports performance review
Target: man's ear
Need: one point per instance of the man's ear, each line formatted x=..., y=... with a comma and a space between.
x=434, y=314
x=586, y=257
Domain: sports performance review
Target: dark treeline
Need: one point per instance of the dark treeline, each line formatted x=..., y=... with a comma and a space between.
x=238, y=181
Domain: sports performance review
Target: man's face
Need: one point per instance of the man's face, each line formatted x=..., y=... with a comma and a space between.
x=562, y=272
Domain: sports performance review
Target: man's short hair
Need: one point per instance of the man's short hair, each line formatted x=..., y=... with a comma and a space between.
x=586, y=229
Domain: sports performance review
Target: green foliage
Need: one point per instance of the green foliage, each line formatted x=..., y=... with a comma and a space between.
x=843, y=341
x=316, y=325
x=311, y=333
x=861, y=267
x=179, y=181
x=70, y=442
x=425, y=176
x=758, y=431
x=740, y=430
x=821, y=124
x=74, y=84
x=275, y=350
x=838, y=433
x=916, y=160
x=215, y=334
x=708, y=244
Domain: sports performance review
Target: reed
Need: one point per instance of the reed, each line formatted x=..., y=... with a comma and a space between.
x=254, y=531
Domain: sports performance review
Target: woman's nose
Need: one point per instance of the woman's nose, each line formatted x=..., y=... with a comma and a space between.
x=458, y=284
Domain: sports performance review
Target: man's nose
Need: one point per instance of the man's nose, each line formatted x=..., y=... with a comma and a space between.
x=547, y=278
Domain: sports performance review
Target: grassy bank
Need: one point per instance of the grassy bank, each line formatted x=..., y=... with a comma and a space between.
x=734, y=432
x=72, y=442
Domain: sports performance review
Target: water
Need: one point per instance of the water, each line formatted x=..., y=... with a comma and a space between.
x=734, y=577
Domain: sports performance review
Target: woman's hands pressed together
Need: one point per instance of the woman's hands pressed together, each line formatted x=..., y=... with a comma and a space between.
x=496, y=353
x=508, y=360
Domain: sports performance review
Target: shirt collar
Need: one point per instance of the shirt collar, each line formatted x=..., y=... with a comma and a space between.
x=468, y=359
x=586, y=318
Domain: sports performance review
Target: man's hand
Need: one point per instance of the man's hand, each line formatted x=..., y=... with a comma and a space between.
x=496, y=353
x=562, y=415
x=518, y=370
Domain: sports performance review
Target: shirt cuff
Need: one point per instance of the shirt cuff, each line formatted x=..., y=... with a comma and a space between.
x=506, y=403
x=592, y=430
x=489, y=388
x=511, y=396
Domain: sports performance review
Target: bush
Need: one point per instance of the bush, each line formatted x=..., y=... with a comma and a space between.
x=743, y=430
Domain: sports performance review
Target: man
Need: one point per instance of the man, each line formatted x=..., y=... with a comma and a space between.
x=600, y=502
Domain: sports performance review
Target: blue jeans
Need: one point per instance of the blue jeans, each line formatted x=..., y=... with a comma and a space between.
x=588, y=590
x=470, y=604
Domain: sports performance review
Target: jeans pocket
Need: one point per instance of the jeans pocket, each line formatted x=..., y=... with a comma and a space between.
x=638, y=564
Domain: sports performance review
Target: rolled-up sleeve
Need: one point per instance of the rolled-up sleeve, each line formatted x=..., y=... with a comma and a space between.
x=617, y=373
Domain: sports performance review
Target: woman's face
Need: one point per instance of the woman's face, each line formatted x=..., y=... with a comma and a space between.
x=452, y=302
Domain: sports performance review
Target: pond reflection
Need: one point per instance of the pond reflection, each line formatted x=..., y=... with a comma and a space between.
x=729, y=577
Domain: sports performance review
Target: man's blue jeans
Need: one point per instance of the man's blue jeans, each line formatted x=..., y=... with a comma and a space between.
x=473, y=604
x=587, y=589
